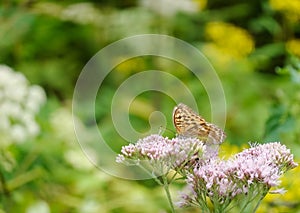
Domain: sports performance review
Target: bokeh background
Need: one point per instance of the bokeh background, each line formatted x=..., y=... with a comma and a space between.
x=253, y=45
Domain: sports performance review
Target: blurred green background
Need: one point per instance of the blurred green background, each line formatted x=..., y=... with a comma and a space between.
x=253, y=45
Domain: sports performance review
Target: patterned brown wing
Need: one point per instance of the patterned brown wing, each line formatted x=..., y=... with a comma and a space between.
x=215, y=135
x=189, y=124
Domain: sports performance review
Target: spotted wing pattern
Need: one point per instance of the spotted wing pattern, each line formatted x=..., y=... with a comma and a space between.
x=189, y=124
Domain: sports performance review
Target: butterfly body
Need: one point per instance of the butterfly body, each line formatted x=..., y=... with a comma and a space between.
x=189, y=124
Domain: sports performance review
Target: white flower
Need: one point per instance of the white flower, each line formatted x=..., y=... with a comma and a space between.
x=62, y=124
x=4, y=122
x=170, y=7
x=82, y=13
x=35, y=97
x=12, y=109
x=18, y=133
x=32, y=127
x=38, y=207
x=78, y=159
x=90, y=206
x=19, y=104
x=5, y=74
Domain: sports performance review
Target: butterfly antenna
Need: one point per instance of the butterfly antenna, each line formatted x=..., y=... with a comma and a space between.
x=162, y=129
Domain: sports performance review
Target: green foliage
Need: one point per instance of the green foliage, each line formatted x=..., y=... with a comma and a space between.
x=279, y=122
x=285, y=114
x=51, y=41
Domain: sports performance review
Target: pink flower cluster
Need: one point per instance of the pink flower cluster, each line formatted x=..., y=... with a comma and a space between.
x=251, y=172
x=246, y=176
x=274, y=154
x=170, y=153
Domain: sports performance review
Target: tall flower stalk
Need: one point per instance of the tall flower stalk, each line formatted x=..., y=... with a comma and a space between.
x=212, y=184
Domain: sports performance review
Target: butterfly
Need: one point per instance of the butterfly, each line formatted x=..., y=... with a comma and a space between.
x=189, y=124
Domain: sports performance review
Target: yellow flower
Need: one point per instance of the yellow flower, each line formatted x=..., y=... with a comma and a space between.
x=290, y=8
x=230, y=39
x=128, y=67
x=228, y=150
x=201, y=3
x=293, y=46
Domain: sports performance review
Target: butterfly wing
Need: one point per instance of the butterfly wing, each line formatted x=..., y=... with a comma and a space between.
x=189, y=124
x=215, y=134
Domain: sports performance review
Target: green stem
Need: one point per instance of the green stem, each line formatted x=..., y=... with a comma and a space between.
x=4, y=185
x=174, y=175
x=253, y=197
x=165, y=184
x=259, y=202
x=5, y=191
x=24, y=178
x=166, y=188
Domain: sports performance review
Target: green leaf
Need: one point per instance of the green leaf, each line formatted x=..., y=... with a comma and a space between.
x=280, y=121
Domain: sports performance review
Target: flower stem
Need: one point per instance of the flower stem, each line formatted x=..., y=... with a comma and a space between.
x=166, y=188
x=5, y=198
x=165, y=184
x=259, y=202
